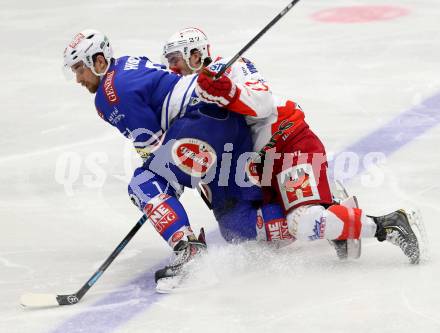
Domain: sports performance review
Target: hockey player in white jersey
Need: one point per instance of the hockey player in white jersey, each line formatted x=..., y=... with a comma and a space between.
x=298, y=179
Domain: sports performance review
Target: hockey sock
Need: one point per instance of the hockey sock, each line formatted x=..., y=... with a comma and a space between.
x=169, y=218
x=355, y=223
x=272, y=225
x=154, y=196
x=337, y=222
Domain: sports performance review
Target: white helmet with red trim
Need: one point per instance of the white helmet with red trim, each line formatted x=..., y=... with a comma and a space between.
x=84, y=46
x=185, y=42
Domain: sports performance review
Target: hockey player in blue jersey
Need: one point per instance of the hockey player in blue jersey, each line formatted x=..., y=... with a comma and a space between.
x=183, y=142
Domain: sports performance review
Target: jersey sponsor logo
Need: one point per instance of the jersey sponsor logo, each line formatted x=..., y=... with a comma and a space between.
x=194, y=157
x=302, y=184
x=76, y=40
x=109, y=88
x=132, y=63
x=115, y=117
x=277, y=230
x=298, y=185
x=217, y=67
x=177, y=236
x=245, y=71
x=318, y=229
x=290, y=118
x=148, y=209
x=250, y=66
x=280, y=133
x=162, y=217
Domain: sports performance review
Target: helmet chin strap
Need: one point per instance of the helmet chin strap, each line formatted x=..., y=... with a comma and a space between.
x=101, y=75
x=175, y=70
x=195, y=69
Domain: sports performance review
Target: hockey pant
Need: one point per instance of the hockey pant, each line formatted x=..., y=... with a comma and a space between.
x=203, y=147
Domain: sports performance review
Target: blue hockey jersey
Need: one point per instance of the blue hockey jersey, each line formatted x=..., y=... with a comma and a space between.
x=152, y=106
x=131, y=96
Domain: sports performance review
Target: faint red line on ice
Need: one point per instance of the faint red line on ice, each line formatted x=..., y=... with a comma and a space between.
x=359, y=14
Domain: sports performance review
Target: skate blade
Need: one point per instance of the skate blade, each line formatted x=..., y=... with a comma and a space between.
x=354, y=248
x=418, y=227
x=339, y=191
x=179, y=284
x=168, y=285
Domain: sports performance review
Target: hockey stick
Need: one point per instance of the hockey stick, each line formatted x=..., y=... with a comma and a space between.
x=257, y=37
x=45, y=300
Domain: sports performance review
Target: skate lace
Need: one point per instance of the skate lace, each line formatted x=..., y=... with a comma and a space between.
x=408, y=249
x=394, y=237
x=181, y=256
x=185, y=254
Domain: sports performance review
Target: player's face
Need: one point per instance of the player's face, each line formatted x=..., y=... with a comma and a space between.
x=85, y=77
x=195, y=60
x=177, y=64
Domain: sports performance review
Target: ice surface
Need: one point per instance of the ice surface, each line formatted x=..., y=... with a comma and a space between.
x=350, y=79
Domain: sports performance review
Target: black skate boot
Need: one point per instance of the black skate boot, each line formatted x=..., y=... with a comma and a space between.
x=184, y=251
x=395, y=228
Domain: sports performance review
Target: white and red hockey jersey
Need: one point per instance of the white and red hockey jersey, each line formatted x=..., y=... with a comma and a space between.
x=272, y=119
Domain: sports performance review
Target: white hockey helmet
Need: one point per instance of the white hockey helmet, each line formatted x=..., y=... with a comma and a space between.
x=185, y=41
x=84, y=46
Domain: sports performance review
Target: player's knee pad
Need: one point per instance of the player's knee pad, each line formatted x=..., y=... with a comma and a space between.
x=145, y=185
x=272, y=225
x=315, y=222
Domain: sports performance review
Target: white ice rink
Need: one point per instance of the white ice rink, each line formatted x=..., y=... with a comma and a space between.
x=369, y=83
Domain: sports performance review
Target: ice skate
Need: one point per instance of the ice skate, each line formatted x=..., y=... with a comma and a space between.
x=170, y=276
x=396, y=228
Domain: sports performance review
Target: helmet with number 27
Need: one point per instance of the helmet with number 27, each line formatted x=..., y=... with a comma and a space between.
x=183, y=44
